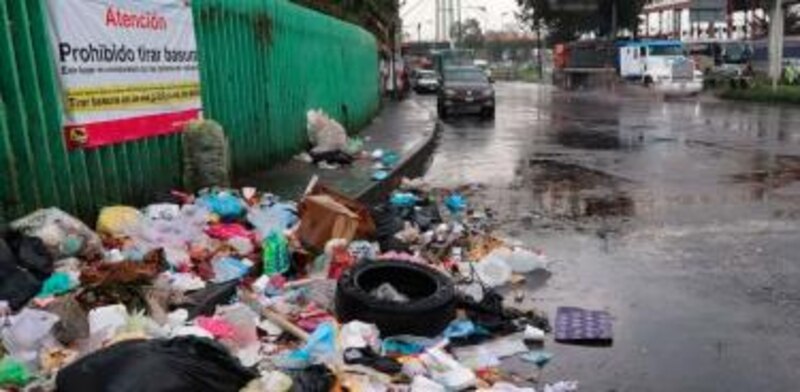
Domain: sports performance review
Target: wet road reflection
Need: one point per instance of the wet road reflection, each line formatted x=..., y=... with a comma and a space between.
x=679, y=217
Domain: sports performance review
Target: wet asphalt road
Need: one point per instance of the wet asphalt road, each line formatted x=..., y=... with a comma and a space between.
x=681, y=218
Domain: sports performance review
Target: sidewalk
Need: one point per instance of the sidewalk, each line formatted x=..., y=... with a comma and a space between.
x=405, y=127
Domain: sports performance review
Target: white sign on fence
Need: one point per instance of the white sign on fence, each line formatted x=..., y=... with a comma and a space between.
x=128, y=68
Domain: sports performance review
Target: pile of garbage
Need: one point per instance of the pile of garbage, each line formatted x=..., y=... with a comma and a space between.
x=238, y=290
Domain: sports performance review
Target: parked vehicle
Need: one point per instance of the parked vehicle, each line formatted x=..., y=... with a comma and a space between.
x=452, y=58
x=660, y=65
x=426, y=81
x=723, y=62
x=465, y=89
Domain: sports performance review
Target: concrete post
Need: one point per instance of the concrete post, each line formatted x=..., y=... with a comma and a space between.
x=776, y=44
x=460, y=27
x=436, y=18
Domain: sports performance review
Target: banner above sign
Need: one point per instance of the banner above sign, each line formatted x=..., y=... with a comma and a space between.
x=128, y=69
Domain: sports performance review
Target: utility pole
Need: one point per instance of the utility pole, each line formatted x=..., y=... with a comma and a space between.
x=539, y=56
x=450, y=20
x=438, y=19
x=460, y=25
x=419, y=32
x=614, y=19
x=776, y=44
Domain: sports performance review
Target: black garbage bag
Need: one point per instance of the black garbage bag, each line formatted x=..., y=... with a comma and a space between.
x=388, y=222
x=203, y=302
x=317, y=378
x=181, y=364
x=17, y=285
x=332, y=157
x=425, y=216
x=32, y=255
x=490, y=314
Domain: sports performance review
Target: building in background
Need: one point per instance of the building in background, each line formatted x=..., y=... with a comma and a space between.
x=701, y=19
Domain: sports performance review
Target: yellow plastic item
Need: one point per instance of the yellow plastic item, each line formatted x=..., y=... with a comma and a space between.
x=113, y=221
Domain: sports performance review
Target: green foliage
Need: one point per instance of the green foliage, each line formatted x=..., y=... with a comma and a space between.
x=374, y=15
x=567, y=25
x=764, y=93
x=468, y=33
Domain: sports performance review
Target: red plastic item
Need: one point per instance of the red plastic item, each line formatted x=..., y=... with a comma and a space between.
x=226, y=231
x=341, y=260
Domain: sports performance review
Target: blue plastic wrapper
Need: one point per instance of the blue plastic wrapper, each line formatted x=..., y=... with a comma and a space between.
x=275, y=217
x=403, y=199
x=390, y=158
x=538, y=358
x=320, y=347
x=398, y=345
x=229, y=268
x=455, y=203
x=464, y=329
x=57, y=283
x=224, y=204
x=380, y=175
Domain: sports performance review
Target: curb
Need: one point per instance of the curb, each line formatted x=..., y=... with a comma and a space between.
x=414, y=165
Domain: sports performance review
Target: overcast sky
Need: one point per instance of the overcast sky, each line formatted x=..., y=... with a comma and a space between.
x=498, y=13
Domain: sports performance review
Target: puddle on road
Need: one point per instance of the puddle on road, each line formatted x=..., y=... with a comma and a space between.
x=572, y=191
x=770, y=175
x=593, y=139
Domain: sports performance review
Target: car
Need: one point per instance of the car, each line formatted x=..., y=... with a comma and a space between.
x=464, y=90
x=426, y=82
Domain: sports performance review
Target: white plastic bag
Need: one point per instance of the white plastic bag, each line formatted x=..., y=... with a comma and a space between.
x=424, y=384
x=446, y=371
x=523, y=261
x=29, y=332
x=105, y=321
x=506, y=387
x=324, y=132
x=357, y=334
x=562, y=386
x=64, y=235
x=493, y=270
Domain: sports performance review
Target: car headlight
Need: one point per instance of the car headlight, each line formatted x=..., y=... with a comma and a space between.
x=488, y=92
x=450, y=92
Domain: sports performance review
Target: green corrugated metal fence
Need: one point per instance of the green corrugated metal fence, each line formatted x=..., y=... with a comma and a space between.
x=263, y=64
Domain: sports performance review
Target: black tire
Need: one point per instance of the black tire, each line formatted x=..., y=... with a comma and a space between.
x=442, y=111
x=648, y=81
x=488, y=113
x=431, y=307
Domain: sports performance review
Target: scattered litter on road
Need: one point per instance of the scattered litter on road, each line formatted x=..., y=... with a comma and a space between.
x=539, y=358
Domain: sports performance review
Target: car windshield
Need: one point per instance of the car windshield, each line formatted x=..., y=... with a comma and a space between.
x=736, y=53
x=673, y=50
x=427, y=75
x=471, y=75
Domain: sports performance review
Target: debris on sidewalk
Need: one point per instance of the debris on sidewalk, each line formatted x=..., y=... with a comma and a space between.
x=331, y=148
x=238, y=290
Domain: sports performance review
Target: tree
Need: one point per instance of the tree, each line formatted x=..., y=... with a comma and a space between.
x=569, y=25
x=468, y=33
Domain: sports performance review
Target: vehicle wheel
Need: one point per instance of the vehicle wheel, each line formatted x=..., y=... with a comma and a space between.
x=431, y=307
x=442, y=112
x=488, y=113
x=648, y=81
